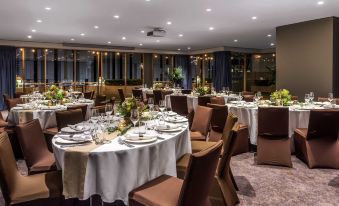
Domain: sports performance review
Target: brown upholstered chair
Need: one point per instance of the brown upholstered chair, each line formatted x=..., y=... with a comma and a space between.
x=273, y=143
x=100, y=99
x=121, y=95
x=248, y=98
x=137, y=93
x=3, y=122
x=18, y=94
x=83, y=108
x=295, y=98
x=171, y=191
x=157, y=96
x=165, y=92
x=201, y=123
x=325, y=99
x=179, y=104
x=242, y=143
x=247, y=93
x=218, y=100
x=204, y=100
x=33, y=145
x=148, y=96
x=38, y=189
x=218, y=120
x=67, y=117
x=101, y=109
x=12, y=102
x=186, y=91
x=89, y=95
x=318, y=146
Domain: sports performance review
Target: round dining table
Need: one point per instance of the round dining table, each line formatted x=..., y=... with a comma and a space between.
x=112, y=170
x=45, y=114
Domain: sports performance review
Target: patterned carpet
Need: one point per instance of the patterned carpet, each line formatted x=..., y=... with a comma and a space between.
x=268, y=185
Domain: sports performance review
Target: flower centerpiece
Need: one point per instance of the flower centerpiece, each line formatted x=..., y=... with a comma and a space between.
x=202, y=90
x=55, y=93
x=158, y=85
x=281, y=97
x=176, y=76
x=131, y=103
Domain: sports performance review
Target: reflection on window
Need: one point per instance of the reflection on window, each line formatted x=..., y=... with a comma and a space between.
x=208, y=68
x=50, y=67
x=113, y=65
x=87, y=69
x=19, y=65
x=162, y=66
x=64, y=62
x=134, y=63
x=34, y=61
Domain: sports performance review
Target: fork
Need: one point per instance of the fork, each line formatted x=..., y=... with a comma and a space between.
x=122, y=142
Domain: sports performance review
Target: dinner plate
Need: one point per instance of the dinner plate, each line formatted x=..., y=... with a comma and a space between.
x=140, y=141
x=60, y=140
x=70, y=130
x=176, y=120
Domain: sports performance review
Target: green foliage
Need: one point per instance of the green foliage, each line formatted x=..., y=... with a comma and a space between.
x=283, y=95
x=176, y=76
x=202, y=90
x=55, y=92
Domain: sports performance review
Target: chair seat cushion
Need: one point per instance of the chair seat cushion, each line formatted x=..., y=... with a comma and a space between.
x=301, y=132
x=164, y=191
x=37, y=186
x=197, y=136
x=182, y=165
x=3, y=123
x=46, y=163
x=51, y=131
x=198, y=146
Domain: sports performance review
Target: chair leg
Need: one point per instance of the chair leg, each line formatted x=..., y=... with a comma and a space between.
x=233, y=181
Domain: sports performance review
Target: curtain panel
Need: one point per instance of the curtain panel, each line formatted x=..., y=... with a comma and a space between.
x=7, y=72
x=222, y=76
x=184, y=62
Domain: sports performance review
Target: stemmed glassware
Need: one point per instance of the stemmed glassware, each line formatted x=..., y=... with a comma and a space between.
x=134, y=116
x=150, y=104
x=307, y=99
x=227, y=90
x=240, y=96
x=311, y=96
x=108, y=110
x=330, y=98
x=162, y=105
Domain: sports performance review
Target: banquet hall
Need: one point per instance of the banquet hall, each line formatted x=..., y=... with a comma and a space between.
x=169, y=103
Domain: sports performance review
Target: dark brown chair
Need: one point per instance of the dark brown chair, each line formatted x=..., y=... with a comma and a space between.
x=318, y=146
x=12, y=102
x=149, y=96
x=201, y=123
x=186, y=91
x=101, y=99
x=218, y=120
x=157, y=96
x=248, y=98
x=165, y=92
x=137, y=93
x=32, y=190
x=33, y=145
x=247, y=93
x=218, y=100
x=325, y=99
x=171, y=191
x=68, y=117
x=242, y=143
x=3, y=122
x=83, y=108
x=89, y=95
x=204, y=100
x=273, y=142
x=101, y=109
x=179, y=104
x=18, y=94
x=294, y=98
x=121, y=95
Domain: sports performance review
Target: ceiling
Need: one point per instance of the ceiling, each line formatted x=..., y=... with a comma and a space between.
x=231, y=20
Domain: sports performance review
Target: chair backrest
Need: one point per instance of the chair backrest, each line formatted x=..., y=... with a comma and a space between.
x=218, y=100
x=99, y=99
x=12, y=102
x=67, y=117
x=273, y=122
x=149, y=95
x=219, y=116
x=204, y=100
x=248, y=98
x=179, y=104
x=32, y=141
x=228, y=145
x=247, y=93
x=101, y=108
x=88, y=95
x=83, y=108
x=202, y=119
x=323, y=123
x=199, y=176
x=229, y=125
x=137, y=93
x=165, y=92
x=18, y=94
x=121, y=95
x=9, y=173
x=295, y=98
x=186, y=91
x=157, y=96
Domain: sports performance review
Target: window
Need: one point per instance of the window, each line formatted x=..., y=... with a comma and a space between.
x=87, y=66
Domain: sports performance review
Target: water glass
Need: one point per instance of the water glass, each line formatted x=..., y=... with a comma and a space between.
x=134, y=116
x=162, y=105
x=307, y=99
x=311, y=96
x=150, y=104
x=330, y=97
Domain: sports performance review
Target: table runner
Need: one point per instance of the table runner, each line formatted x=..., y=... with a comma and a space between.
x=76, y=159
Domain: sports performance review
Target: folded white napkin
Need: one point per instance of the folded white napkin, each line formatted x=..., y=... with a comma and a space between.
x=167, y=127
x=133, y=136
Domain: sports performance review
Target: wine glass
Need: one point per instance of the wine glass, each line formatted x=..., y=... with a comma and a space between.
x=240, y=96
x=94, y=116
x=307, y=99
x=223, y=90
x=162, y=105
x=108, y=110
x=227, y=90
x=330, y=97
x=311, y=96
x=134, y=116
x=151, y=104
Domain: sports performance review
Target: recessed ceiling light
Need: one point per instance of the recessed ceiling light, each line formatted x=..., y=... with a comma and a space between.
x=48, y=8
x=123, y=38
x=116, y=16
x=180, y=35
x=169, y=23
x=33, y=30
x=72, y=39
x=208, y=10
x=158, y=41
x=148, y=0
x=189, y=48
x=254, y=17
x=142, y=31
x=211, y=28
x=272, y=44
x=269, y=35
x=96, y=27
x=29, y=36
x=320, y=2
x=179, y=49
x=140, y=44
x=109, y=42
x=82, y=34
x=39, y=21
x=235, y=40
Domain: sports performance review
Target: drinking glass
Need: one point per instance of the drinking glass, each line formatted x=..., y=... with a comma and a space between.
x=307, y=98
x=134, y=116
x=330, y=97
x=227, y=90
x=311, y=96
x=223, y=90
x=108, y=109
x=240, y=96
x=162, y=105
x=151, y=104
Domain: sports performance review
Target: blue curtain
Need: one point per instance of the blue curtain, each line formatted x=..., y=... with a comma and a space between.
x=222, y=73
x=184, y=62
x=7, y=72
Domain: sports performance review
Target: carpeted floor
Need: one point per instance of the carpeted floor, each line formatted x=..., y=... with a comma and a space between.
x=269, y=185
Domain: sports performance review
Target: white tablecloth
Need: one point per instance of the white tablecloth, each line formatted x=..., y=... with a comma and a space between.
x=249, y=117
x=113, y=170
x=46, y=117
